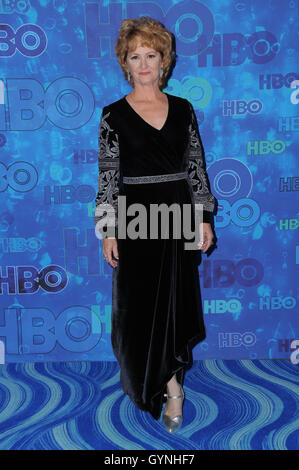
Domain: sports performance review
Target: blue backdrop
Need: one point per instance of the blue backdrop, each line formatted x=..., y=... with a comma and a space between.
x=237, y=65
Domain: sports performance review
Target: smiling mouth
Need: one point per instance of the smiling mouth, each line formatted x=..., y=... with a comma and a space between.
x=143, y=73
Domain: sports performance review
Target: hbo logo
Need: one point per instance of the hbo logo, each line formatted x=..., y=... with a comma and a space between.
x=29, y=39
x=234, y=340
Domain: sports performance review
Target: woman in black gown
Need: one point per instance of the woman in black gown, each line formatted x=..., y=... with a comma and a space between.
x=150, y=152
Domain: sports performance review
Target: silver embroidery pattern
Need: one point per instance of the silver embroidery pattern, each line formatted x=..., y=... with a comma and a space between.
x=108, y=160
x=155, y=178
x=196, y=167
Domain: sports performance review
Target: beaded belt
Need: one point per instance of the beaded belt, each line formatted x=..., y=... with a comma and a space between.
x=154, y=178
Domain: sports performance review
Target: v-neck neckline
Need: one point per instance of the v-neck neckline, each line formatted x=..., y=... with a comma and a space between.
x=138, y=115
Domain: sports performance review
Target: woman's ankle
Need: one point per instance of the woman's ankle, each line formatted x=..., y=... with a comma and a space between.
x=174, y=387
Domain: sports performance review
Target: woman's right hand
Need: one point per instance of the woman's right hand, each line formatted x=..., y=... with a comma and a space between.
x=109, y=247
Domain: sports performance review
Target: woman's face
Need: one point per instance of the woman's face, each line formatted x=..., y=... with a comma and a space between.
x=144, y=64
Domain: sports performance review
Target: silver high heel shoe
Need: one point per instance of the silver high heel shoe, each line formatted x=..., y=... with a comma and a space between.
x=173, y=424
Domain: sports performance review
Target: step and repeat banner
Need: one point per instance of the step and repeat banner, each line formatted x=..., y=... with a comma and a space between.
x=237, y=62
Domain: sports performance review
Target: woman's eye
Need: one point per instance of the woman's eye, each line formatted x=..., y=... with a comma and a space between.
x=150, y=55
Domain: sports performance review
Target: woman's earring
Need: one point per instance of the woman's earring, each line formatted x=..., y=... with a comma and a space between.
x=161, y=72
x=129, y=76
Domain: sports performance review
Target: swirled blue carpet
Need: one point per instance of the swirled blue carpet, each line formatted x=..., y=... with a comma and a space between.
x=230, y=405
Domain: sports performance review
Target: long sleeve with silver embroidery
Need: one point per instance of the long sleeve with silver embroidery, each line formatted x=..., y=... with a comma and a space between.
x=108, y=176
x=197, y=170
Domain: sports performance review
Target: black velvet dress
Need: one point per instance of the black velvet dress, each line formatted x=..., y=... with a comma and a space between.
x=156, y=299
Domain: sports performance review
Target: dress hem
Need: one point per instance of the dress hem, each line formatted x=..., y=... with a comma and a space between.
x=141, y=405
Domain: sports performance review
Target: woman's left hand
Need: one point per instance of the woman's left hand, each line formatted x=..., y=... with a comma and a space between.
x=206, y=236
